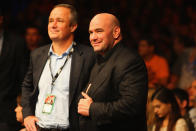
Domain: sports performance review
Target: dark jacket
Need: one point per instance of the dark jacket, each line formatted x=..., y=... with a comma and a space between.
x=82, y=62
x=119, y=92
x=11, y=75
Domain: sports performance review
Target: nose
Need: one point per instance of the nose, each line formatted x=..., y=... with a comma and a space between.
x=16, y=109
x=155, y=110
x=93, y=36
x=54, y=24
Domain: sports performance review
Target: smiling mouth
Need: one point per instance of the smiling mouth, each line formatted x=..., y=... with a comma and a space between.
x=54, y=32
x=96, y=44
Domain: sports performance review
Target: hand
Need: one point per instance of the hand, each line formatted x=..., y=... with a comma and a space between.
x=29, y=123
x=84, y=105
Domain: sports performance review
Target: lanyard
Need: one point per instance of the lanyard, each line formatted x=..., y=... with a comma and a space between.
x=60, y=69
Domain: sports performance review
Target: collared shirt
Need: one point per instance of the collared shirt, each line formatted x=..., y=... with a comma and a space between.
x=59, y=117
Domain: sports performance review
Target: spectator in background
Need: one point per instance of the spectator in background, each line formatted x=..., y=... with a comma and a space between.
x=182, y=98
x=167, y=112
x=33, y=40
x=178, y=49
x=19, y=116
x=192, y=93
x=11, y=74
x=184, y=70
x=32, y=37
x=178, y=45
x=149, y=110
x=157, y=66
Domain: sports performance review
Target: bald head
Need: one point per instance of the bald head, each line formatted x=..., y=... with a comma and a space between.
x=107, y=18
x=104, y=32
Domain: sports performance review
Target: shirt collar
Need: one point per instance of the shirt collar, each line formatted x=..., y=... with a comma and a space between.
x=51, y=52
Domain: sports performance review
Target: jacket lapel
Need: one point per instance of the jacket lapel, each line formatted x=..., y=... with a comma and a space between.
x=76, y=67
x=40, y=63
x=99, y=80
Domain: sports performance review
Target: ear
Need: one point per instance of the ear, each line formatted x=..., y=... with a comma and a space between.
x=73, y=27
x=116, y=32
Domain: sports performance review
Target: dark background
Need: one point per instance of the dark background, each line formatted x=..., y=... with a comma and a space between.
x=160, y=19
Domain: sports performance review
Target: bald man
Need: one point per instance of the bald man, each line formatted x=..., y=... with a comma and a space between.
x=115, y=97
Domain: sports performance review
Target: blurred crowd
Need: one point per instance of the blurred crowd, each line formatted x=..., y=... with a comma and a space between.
x=162, y=31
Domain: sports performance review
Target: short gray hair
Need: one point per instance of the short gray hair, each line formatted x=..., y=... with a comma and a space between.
x=74, y=15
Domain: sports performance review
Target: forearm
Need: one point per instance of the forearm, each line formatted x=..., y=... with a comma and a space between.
x=121, y=109
x=130, y=94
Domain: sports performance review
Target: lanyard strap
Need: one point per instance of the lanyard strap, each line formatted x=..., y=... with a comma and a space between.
x=60, y=69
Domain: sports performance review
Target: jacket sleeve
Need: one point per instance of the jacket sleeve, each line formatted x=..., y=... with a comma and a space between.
x=27, y=89
x=132, y=94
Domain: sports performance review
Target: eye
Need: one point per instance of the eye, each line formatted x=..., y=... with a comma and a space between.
x=60, y=20
x=50, y=20
x=99, y=30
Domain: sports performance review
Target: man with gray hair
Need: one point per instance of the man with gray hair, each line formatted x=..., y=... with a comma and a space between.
x=56, y=74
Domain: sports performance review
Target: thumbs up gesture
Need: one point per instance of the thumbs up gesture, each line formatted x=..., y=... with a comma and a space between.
x=84, y=105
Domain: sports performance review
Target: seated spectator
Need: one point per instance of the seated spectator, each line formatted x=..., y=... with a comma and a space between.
x=192, y=94
x=179, y=43
x=149, y=110
x=167, y=112
x=182, y=98
x=19, y=116
x=192, y=99
x=184, y=69
x=157, y=66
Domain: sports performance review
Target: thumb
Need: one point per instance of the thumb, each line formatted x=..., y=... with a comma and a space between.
x=85, y=95
x=36, y=119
